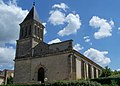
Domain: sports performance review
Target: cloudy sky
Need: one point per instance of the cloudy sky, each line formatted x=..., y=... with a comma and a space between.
x=93, y=25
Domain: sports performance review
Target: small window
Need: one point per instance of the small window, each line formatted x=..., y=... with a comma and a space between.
x=30, y=30
x=35, y=30
x=37, y=33
x=21, y=32
x=25, y=31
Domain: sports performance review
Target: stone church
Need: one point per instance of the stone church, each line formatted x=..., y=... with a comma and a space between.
x=37, y=61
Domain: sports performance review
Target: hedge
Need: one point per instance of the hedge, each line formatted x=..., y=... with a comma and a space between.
x=66, y=83
x=107, y=81
x=76, y=83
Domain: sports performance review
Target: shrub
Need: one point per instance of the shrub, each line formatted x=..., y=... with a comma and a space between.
x=108, y=81
x=76, y=83
x=10, y=80
x=65, y=83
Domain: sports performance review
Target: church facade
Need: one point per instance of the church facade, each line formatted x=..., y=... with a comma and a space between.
x=37, y=61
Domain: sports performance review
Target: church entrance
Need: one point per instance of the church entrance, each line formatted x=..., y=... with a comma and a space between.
x=41, y=75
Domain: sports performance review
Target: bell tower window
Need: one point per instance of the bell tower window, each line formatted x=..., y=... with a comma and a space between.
x=35, y=30
x=41, y=33
x=21, y=33
x=30, y=30
x=38, y=32
x=25, y=31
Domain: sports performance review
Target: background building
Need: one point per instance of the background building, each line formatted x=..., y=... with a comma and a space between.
x=4, y=75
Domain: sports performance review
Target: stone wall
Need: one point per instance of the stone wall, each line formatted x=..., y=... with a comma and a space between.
x=55, y=66
x=22, y=71
x=85, y=69
x=61, y=46
x=23, y=47
x=41, y=49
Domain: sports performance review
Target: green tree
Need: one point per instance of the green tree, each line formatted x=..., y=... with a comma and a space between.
x=115, y=72
x=106, y=72
x=10, y=80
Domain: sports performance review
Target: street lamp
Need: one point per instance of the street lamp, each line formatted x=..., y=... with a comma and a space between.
x=45, y=79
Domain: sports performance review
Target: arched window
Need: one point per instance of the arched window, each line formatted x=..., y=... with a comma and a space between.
x=38, y=32
x=41, y=33
x=25, y=31
x=30, y=30
x=41, y=75
x=21, y=35
x=35, y=30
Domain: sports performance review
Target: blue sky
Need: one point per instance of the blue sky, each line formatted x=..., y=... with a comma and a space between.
x=93, y=25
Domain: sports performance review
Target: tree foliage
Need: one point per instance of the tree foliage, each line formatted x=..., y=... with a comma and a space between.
x=115, y=72
x=106, y=72
x=76, y=83
x=10, y=80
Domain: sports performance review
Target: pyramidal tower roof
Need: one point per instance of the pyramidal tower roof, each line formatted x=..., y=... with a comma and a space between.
x=32, y=15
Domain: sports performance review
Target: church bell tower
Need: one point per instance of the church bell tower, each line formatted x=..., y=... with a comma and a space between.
x=31, y=33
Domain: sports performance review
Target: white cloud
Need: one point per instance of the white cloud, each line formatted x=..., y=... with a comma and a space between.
x=61, y=6
x=118, y=69
x=7, y=55
x=77, y=47
x=86, y=37
x=10, y=18
x=105, y=27
x=87, y=40
x=56, y=17
x=45, y=31
x=119, y=28
x=13, y=2
x=98, y=56
x=1, y=67
x=54, y=41
x=74, y=24
x=111, y=23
